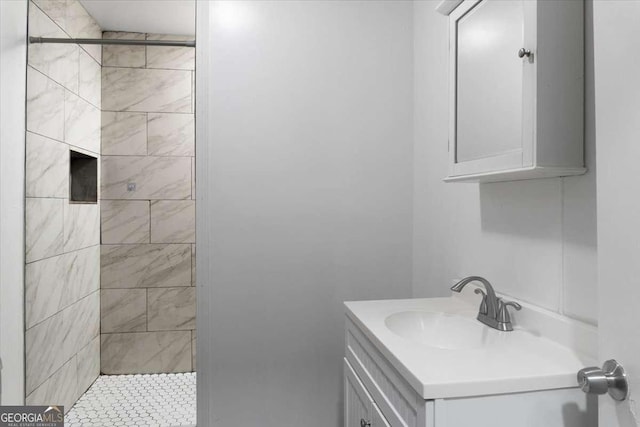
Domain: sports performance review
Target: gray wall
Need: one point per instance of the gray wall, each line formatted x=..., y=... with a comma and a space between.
x=62, y=280
x=534, y=240
x=13, y=52
x=307, y=197
x=148, y=301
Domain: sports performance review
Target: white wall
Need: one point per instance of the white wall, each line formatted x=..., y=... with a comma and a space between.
x=13, y=57
x=534, y=240
x=307, y=198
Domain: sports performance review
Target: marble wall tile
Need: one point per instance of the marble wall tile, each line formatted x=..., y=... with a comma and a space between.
x=123, y=56
x=81, y=225
x=146, y=352
x=82, y=123
x=45, y=105
x=125, y=221
x=148, y=140
x=193, y=350
x=83, y=323
x=140, y=266
x=60, y=389
x=155, y=177
x=44, y=350
x=54, y=9
x=58, y=61
x=134, y=89
x=88, y=360
x=61, y=289
x=90, y=79
x=175, y=58
x=123, y=310
x=171, y=308
x=47, y=167
x=124, y=133
x=173, y=221
x=44, y=235
x=171, y=134
x=71, y=16
x=57, y=282
x=51, y=343
x=79, y=24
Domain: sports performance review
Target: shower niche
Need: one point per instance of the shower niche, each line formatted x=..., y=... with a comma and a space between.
x=83, y=178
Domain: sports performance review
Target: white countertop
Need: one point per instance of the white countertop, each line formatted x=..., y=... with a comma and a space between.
x=530, y=358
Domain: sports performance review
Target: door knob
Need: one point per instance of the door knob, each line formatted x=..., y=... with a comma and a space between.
x=611, y=378
x=364, y=423
x=524, y=52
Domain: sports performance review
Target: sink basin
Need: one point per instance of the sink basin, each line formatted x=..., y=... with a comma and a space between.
x=439, y=330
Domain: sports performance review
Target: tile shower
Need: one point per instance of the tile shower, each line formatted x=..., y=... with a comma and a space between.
x=110, y=283
x=62, y=272
x=147, y=297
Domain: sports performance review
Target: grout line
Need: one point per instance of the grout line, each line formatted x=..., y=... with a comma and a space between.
x=64, y=31
x=62, y=253
x=129, y=67
x=146, y=312
x=143, y=155
x=147, y=243
x=61, y=310
x=71, y=145
x=49, y=377
x=64, y=87
x=144, y=287
x=142, y=111
x=150, y=332
x=146, y=130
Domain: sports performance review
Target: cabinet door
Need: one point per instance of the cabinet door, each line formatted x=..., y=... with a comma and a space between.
x=490, y=117
x=377, y=419
x=357, y=403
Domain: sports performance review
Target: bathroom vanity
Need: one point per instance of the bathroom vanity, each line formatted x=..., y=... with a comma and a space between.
x=430, y=363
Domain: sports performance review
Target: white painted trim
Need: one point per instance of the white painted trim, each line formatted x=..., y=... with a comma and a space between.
x=445, y=7
x=203, y=228
x=13, y=68
x=517, y=174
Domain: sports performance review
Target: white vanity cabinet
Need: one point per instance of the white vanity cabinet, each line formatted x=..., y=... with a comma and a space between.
x=376, y=394
x=516, y=90
x=360, y=408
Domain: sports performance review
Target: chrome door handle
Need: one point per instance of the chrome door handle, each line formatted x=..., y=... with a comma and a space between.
x=610, y=379
x=524, y=52
x=364, y=423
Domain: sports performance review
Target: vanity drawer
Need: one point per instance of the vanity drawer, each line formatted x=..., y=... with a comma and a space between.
x=399, y=403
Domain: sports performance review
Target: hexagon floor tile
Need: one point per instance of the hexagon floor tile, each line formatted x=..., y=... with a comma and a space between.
x=154, y=400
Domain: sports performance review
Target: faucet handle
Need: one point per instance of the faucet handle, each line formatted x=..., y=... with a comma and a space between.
x=503, y=312
x=483, y=305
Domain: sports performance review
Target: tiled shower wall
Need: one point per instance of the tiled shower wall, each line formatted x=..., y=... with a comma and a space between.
x=62, y=280
x=148, y=298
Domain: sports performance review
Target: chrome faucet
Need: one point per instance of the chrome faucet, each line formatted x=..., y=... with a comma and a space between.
x=493, y=311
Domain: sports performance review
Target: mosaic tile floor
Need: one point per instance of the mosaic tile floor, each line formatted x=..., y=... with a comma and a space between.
x=137, y=400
